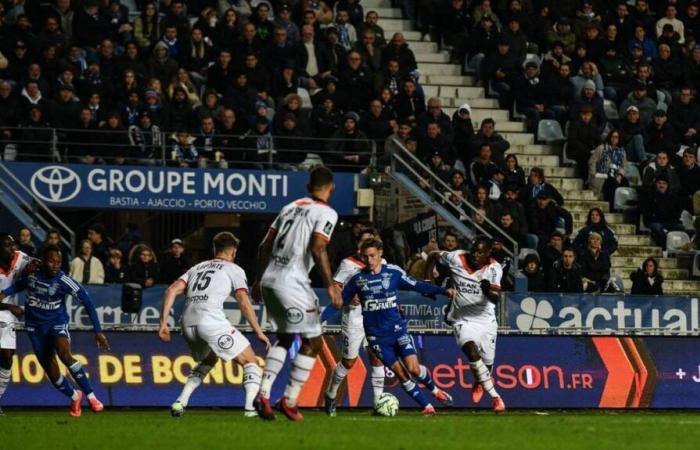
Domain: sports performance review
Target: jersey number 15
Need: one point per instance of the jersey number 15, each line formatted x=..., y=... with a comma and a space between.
x=202, y=280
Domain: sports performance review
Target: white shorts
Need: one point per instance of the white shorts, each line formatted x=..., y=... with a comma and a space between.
x=8, y=338
x=293, y=313
x=219, y=337
x=353, y=340
x=482, y=332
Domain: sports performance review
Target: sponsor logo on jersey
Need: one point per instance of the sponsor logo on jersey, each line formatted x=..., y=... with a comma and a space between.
x=294, y=315
x=197, y=298
x=225, y=341
x=379, y=304
x=280, y=260
x=328, y=228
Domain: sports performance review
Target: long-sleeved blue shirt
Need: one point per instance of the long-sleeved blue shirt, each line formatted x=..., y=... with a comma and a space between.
x=378, y=294
x=46, y=298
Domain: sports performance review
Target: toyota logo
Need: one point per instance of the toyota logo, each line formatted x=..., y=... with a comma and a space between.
x=55, y=184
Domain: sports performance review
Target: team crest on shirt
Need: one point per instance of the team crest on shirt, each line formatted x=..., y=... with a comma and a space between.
x=294, y=316
x=52, y=289
x=386, y=280
x=225, y=341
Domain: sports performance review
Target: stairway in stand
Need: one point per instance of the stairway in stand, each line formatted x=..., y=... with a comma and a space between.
x=441, y=79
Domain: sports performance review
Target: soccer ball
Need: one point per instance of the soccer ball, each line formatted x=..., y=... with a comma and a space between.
x=387, y=405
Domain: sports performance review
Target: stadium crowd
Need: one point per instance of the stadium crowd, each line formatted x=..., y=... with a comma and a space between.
x=221, y=80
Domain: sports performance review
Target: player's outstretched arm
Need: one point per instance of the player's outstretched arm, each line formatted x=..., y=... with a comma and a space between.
x=175, y=289
x=411, y=284
x=264, y=252
x=320, y=254
x=84, y=297
x=249, y=314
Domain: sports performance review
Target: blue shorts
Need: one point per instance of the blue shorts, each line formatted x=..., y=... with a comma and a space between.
x=43, y=338
x=390, y=349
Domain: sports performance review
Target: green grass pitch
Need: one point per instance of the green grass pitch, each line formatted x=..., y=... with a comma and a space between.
x=357, y=430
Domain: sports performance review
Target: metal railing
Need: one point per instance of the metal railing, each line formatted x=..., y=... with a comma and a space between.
x=443, y=192
x=40, y=213
x=68, y=145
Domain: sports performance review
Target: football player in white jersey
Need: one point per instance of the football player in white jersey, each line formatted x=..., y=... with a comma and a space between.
x=207, y=331
x=477, y=278
x=353, y=332
x=12, y=265
x=295, y=242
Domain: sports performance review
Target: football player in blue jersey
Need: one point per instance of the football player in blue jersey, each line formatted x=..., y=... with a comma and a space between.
x=377, y=289
x=47, y=322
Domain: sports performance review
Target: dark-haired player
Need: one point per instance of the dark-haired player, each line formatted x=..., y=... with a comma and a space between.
x=12, y=264
x=477, y=278
x=47, y=323
x=207, y=331
x=296, y=242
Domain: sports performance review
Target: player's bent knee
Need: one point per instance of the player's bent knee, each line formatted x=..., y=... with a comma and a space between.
x=349, y=363
x=472, y=352
x=6, y=363
x=247, y=356
x=311, y=346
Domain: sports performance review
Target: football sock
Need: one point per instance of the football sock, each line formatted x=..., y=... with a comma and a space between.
x=339, y=375
x=251, y=383
x=198, y=374
x=301, y=369
x=76, y=369
x=273, y=364
x=483, y=376
x=426, y=379
x=4, y=380
x=414, y=391
x=65, y=387
x=377, y=382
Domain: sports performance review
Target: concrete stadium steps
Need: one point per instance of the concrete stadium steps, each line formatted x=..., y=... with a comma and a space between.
x=668, y=274
x=581, y=216
x=393, y=25
x=532, y=149
x=674, y=287
x=639, y=250
x=370, y=5
x=436, y=57
x=421, y=46
x=385, y=12
x=578, y=195
x=585, y=205
x=565, y=184
x=480, y=103
x=620, y=229
x=445, y=80
x=538, y=160
x=455, y=92
x=556, y=172
x=427, y=69
x=636, y=262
